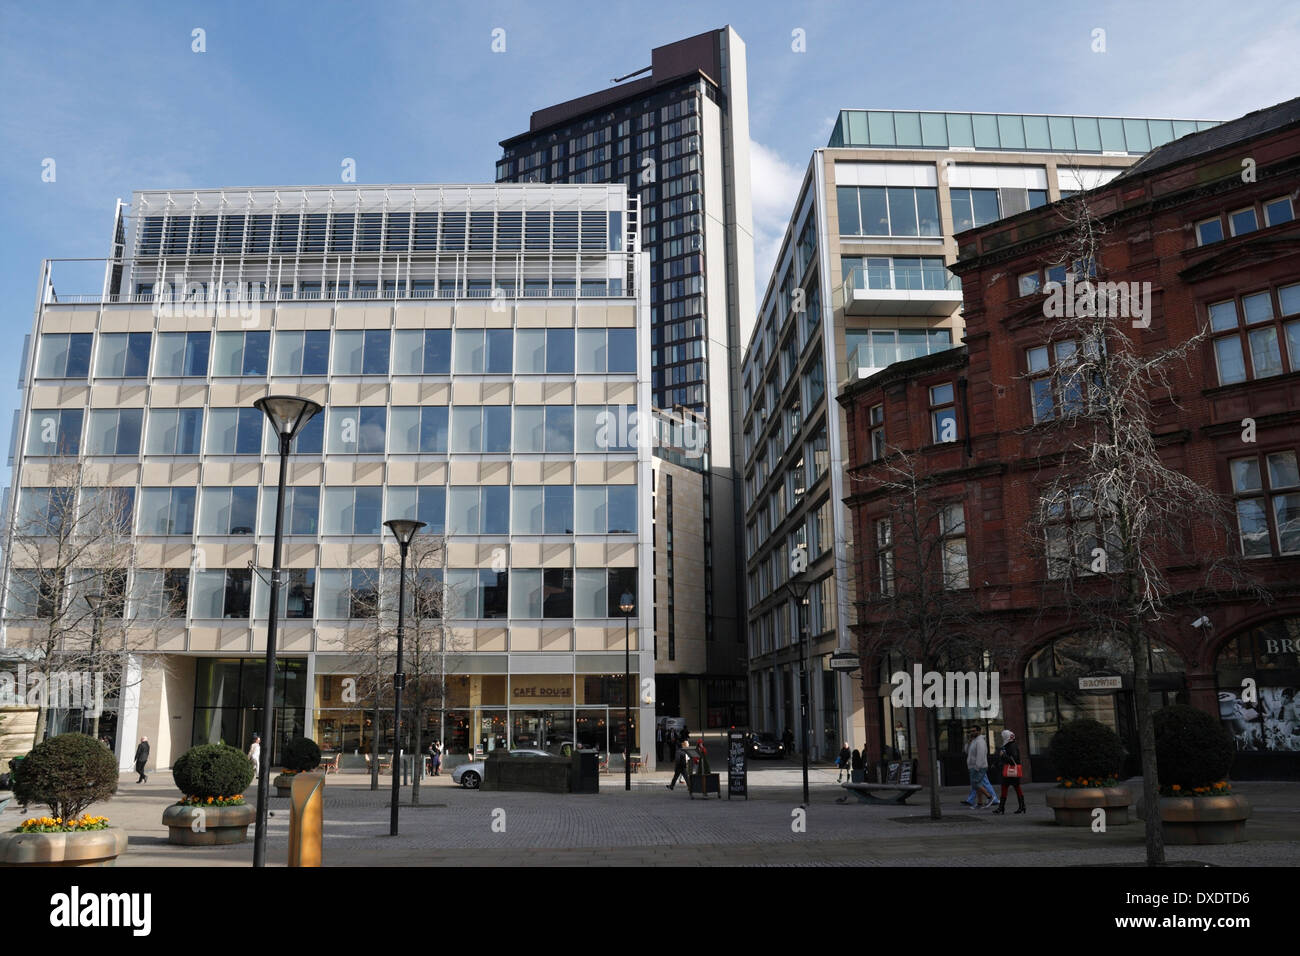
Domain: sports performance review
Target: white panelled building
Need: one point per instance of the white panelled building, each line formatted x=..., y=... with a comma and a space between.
x=481, y=353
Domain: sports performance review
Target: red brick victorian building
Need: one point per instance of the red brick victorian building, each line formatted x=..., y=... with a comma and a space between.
x=1209, y=220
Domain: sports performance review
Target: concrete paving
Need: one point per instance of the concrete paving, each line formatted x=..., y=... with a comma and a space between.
x=651, y=826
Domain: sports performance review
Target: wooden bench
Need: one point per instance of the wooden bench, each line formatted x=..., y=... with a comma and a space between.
x=331, y=764
x=898, y=781
x=384, y=766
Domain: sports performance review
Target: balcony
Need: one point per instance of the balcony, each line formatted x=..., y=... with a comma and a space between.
x=888, y=346
x=883, y=290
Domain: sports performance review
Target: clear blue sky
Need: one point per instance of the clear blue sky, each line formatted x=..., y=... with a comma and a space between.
x=115, y=95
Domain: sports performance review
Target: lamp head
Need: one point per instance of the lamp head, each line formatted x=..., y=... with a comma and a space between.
x=287, y=413
x=626, y=603
x=404, y=529
x=96, y=601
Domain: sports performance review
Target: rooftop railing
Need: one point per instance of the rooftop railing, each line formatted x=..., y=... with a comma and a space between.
x=219, y=280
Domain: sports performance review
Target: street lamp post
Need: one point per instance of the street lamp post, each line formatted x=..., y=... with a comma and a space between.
x=287, y=415
x=404, y=530
x=96, y=602
x=798, y=589
x=626, y=604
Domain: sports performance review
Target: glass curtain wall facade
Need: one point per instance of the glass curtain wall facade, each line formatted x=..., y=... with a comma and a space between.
x=678, y=138
x=861, y=282
x=481, y=354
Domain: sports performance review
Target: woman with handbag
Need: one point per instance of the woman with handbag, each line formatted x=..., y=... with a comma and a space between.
x=1012, y=771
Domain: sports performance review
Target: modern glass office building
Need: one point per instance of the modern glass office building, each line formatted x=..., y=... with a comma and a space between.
x=862, y=282
x=482, y=356
x=676, y=133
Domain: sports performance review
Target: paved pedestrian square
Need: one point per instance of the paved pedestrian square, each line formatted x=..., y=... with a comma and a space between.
x=651, y=826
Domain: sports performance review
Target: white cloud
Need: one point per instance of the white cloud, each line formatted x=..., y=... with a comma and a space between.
x=1196, y=86
x=774, y=186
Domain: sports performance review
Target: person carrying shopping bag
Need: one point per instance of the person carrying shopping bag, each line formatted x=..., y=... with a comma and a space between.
x=1012, y=771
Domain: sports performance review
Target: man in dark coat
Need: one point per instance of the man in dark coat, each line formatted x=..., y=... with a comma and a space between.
x=141, y=759
x=682, y=767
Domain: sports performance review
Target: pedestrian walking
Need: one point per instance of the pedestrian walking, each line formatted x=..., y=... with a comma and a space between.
x=1012, y=771
x=977, y=765
x=142, y=760
x=787, y=738
x=857, y=767
x=842, y=762
x=437, y=758
x=255, y=754
x=659, y=740
x=682, y=766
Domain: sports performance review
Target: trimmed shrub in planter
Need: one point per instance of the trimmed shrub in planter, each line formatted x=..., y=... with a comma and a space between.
x=67, y=774
x=1088, y=755
x=301, y=755
x=1086, y=748
x=1192, y=748
x=1194, y=753
x=213, y=778
x=213, y=770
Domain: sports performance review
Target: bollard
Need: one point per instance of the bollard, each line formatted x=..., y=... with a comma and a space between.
x=306, y=817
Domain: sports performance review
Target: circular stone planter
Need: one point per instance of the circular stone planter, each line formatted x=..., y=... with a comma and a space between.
x=207, y=826
x=1191, y=821
x=1073, y=806
x=283, y=784
x=88, y=848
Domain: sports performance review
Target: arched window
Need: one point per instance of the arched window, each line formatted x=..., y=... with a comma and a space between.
x=1258, y=675
x=1053, y=695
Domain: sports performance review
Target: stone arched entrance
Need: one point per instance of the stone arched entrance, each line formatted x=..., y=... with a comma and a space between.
x=1054, y=694
x=1257, y=672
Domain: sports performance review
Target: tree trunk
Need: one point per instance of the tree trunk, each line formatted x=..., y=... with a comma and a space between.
x=417, y=758
x=41, y=717
x=374, y=746
x=932, y=731
x=1155, y=836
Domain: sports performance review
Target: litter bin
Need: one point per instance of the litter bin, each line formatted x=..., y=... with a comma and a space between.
x=586, y=771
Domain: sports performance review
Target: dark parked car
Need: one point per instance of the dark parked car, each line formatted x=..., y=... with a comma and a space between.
x=765, y=745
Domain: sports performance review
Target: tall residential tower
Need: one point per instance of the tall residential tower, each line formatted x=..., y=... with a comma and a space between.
x=677, y=134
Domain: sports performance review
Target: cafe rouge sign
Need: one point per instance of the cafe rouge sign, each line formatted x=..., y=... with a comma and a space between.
x=542, y=688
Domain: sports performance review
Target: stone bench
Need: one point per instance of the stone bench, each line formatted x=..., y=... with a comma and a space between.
x=898, y=781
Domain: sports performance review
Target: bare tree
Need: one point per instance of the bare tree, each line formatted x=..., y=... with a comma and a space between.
x=426, y=641
x=70, y=555
x=922, y=607
x=1110, y=512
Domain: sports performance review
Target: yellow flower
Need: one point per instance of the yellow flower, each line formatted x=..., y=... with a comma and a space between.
x=1176, y=787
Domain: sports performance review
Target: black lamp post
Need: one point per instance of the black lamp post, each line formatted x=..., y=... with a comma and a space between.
x=404, y=530
x=96, y=602
x=287, y=415
x=626, y=604
x=798, y=589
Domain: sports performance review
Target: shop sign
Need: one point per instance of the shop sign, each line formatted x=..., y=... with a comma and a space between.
x=1101, y=682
